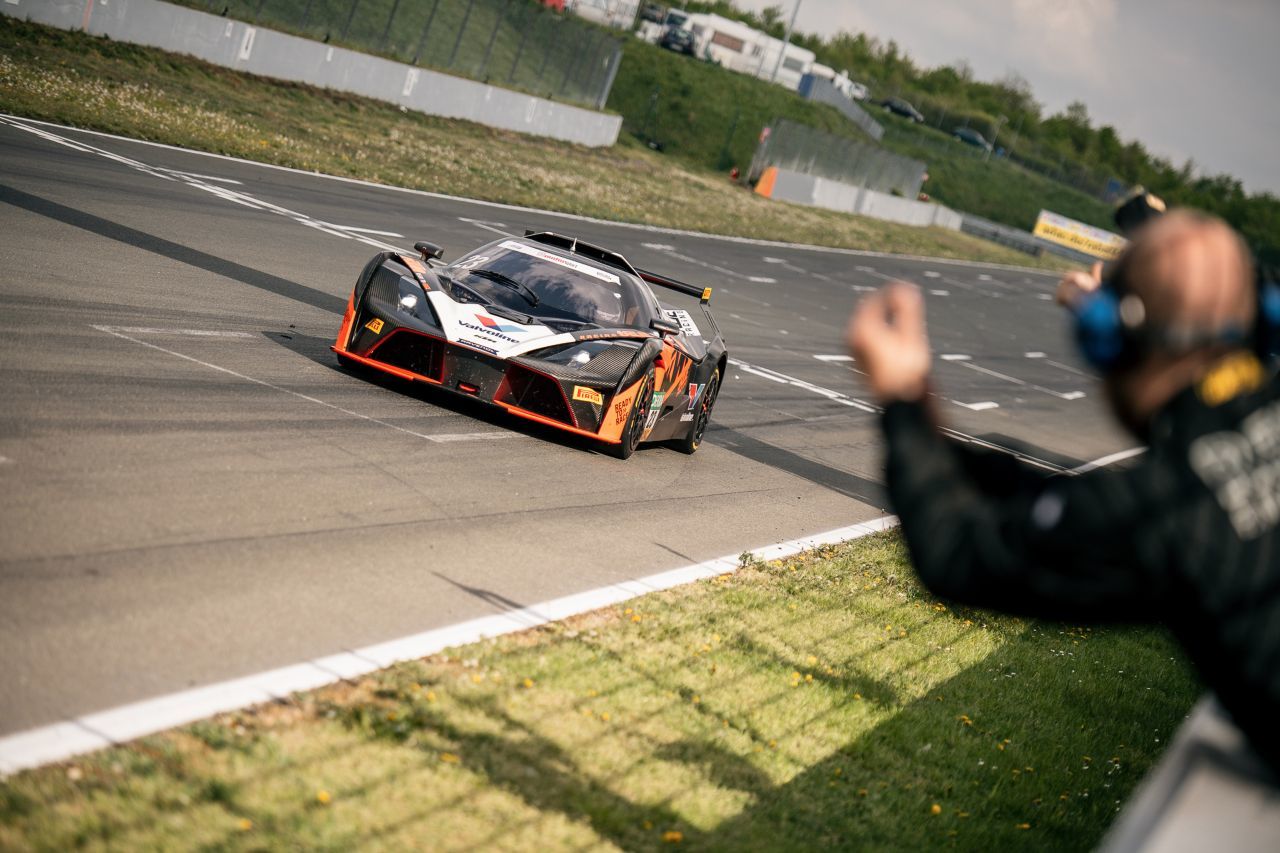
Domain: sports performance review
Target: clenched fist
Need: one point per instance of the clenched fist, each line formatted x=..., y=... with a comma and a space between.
x=887, y=336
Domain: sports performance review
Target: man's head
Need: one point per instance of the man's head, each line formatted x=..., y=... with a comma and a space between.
x=1185, y=293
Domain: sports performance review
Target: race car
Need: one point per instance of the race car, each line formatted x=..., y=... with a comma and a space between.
x=548, y=328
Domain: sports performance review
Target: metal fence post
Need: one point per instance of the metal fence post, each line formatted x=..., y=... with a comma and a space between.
x=350, y=16
x=493, y=37
x=552, y=21
x=615, y=60
x=524, y=35
x=462, y=28
x=386, y=31
x=590, y=65
x=426, y=29
x=569, y=69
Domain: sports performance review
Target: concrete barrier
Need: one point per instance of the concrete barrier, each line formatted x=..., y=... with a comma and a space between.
x=798, y=188
x=234, y=44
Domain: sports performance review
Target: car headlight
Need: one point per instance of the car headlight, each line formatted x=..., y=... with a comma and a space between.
x=579, y=355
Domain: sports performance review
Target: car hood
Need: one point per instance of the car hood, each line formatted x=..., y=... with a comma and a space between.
x=471, y=325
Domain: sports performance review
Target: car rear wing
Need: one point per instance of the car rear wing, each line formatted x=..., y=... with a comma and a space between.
x=702, y=294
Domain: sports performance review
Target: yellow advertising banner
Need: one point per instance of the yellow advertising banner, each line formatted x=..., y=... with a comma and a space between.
x=1079, y=236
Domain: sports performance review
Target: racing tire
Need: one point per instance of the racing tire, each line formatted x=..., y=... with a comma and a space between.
x=635, y=421
x=691, y=442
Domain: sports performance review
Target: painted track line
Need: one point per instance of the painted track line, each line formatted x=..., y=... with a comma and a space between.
x=102, y=729
x=470, y=436
x=654, y=229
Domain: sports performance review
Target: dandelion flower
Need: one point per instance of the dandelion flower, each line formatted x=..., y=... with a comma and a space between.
x=604, y=715
x=673, y=836
x=813, y=659
x=244, y=825
x=431, y=696
x=323, y=797
x=528, y=683
x=935, y=809
x=449, y=758
x=1024, y=826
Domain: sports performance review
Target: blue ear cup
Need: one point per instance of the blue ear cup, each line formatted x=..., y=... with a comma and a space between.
x=1099, y=329
x=1267, y=335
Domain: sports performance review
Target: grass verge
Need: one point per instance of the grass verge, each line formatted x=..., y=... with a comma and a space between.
x=89, y=82
x=825, y=701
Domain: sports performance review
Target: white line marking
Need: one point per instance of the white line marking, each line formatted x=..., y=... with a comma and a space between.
x=767, y=259
x=931, y=274
x=782, y=378
x=783, y=332
x=1108, y=460
x=954, y=357
x=984, y=277
x=1034, y=355
x=762, y=279
x=486, y=226
x=862, y=288
x=939, y=293
x=198, y=182
x=1068, y=368
x=472, y=436
x=1069, y=395
x=659, y=247
x=834, y=357
x=90, y=732
x=23, y=122
x=356, y=230
x=978, y=407
x=194, y=333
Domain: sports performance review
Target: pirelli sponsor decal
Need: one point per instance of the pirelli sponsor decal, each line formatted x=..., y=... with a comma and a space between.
x=375, y=326
x=588, y=395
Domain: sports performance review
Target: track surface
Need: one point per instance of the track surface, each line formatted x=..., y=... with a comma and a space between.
x=192, y=490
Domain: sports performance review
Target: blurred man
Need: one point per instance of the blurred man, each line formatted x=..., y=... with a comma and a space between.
x=1188, y=536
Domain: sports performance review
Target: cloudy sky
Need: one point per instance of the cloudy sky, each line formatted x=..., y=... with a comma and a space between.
x=1188, y=78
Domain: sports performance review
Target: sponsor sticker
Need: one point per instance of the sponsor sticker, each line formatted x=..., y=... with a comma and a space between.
x=695, y=391
x=620, y=411
x=375, y=326
x=655, y=409
x=588, y=395
x=585, y=269
x=687, y=326
x=687, y=416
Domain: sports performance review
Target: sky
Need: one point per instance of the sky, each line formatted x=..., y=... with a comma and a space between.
x=1191, y=79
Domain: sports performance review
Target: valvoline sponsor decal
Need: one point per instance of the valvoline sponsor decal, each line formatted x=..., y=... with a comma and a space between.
x=491, y=328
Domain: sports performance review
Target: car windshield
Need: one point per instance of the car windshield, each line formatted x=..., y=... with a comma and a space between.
x=566, y=289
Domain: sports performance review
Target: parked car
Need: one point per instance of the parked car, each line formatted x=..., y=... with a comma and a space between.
x=679, y=40
x=654, y=12
x=969, y=136
x=897, y=106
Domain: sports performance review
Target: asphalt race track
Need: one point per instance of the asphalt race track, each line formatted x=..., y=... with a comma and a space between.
x=192, y=490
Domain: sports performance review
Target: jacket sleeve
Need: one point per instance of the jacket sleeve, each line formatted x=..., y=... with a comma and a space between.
x=985, y=530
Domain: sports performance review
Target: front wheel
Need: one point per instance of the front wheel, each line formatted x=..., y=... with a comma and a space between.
x=635, y=422
x=701, y=417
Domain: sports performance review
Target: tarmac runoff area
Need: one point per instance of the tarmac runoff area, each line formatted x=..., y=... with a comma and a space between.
x=195, y=495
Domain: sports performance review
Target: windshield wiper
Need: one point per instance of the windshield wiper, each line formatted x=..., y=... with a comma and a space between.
x=453, y=282
x=507, y=281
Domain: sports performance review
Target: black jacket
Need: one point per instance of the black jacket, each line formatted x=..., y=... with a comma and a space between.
x=1188, y=535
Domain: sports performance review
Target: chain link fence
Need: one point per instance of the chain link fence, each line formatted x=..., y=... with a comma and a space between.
x=797, y=148
x=518, y=44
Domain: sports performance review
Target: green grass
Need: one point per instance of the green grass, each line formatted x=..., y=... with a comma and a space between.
x=997, y=188
x=95, y=83
x=821, y=701
x=693, y=117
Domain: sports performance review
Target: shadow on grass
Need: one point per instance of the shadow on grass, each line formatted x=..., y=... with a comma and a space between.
x=1014, y=752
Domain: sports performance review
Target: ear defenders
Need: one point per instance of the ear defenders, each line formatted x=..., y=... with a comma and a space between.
x=1111, y=328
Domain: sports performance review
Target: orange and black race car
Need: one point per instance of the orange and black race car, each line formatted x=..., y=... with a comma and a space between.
x=548, y=328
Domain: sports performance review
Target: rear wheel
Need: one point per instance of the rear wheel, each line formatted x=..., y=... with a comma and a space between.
x=701, y=416
x=635, y=421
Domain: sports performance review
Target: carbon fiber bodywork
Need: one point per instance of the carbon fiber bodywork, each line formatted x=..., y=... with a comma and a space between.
x=410, y=320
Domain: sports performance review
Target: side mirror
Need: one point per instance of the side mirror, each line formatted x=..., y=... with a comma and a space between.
x=429, y=251
x=664, y=326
